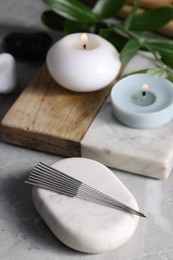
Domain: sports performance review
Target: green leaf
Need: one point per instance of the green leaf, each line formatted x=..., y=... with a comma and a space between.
x=129, y=50
x=152, y=37
x=116, y=39
x=73, y=27
x=130, y=17
x=170, y=77
x=160, y=44
x=165, y=49
x=53, y=20
x=152, y=19
x=154, y=71
x=168, y=60
x=108, y=8
x=72, y=10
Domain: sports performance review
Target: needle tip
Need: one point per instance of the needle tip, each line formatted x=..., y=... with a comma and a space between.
x=142, y=215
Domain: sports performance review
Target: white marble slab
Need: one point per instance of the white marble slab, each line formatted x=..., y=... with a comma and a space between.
x=145, y=152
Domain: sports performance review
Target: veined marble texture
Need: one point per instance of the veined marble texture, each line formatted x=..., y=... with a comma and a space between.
x=146, y=152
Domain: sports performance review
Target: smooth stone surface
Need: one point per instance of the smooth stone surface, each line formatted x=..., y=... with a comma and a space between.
x=83, y=225
x=145, y=152
x=8, y=76
x=27, y=46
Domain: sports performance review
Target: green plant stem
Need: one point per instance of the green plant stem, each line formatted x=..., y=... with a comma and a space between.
x=130, y=34
x=158, y=58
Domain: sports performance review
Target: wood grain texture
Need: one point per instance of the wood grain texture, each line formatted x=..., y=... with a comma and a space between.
x=149, y=4
x=50, y=118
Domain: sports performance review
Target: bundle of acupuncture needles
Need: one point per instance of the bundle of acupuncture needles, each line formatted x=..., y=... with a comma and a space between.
x=45, y=176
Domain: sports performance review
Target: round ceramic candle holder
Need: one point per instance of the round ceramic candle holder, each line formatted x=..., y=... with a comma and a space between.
x=83, y=65
x=140, y=108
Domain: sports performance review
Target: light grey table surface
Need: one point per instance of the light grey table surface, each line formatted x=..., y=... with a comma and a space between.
x=23, y=234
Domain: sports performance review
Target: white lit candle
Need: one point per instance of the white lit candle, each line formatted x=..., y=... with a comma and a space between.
x=83, y=62
x=143, y=105
x=84, y=39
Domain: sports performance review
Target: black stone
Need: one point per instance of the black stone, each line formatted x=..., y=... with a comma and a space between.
x=27, y=46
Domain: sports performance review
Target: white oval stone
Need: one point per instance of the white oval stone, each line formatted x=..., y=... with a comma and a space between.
x=83, y=225
x=7, y=73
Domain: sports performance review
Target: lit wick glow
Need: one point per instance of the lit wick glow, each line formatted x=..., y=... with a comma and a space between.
x=84, y=39
x=145, y=87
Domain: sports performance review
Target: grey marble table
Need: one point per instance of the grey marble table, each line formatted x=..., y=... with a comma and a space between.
x=23, y=234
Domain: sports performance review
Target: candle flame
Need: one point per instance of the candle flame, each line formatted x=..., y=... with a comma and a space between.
x=145, y=87
x=84, y=38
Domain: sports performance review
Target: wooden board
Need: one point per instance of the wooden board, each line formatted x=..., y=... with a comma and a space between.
x=50, y=118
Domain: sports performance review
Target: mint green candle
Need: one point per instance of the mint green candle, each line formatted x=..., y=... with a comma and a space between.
x=143, y=101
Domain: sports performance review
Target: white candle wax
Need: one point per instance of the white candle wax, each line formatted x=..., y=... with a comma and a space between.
x=83, y=65
x=139, y=108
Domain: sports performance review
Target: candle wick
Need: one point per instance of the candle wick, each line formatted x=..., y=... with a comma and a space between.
x=144, y=93
x=84, y=46
x=144, y=89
